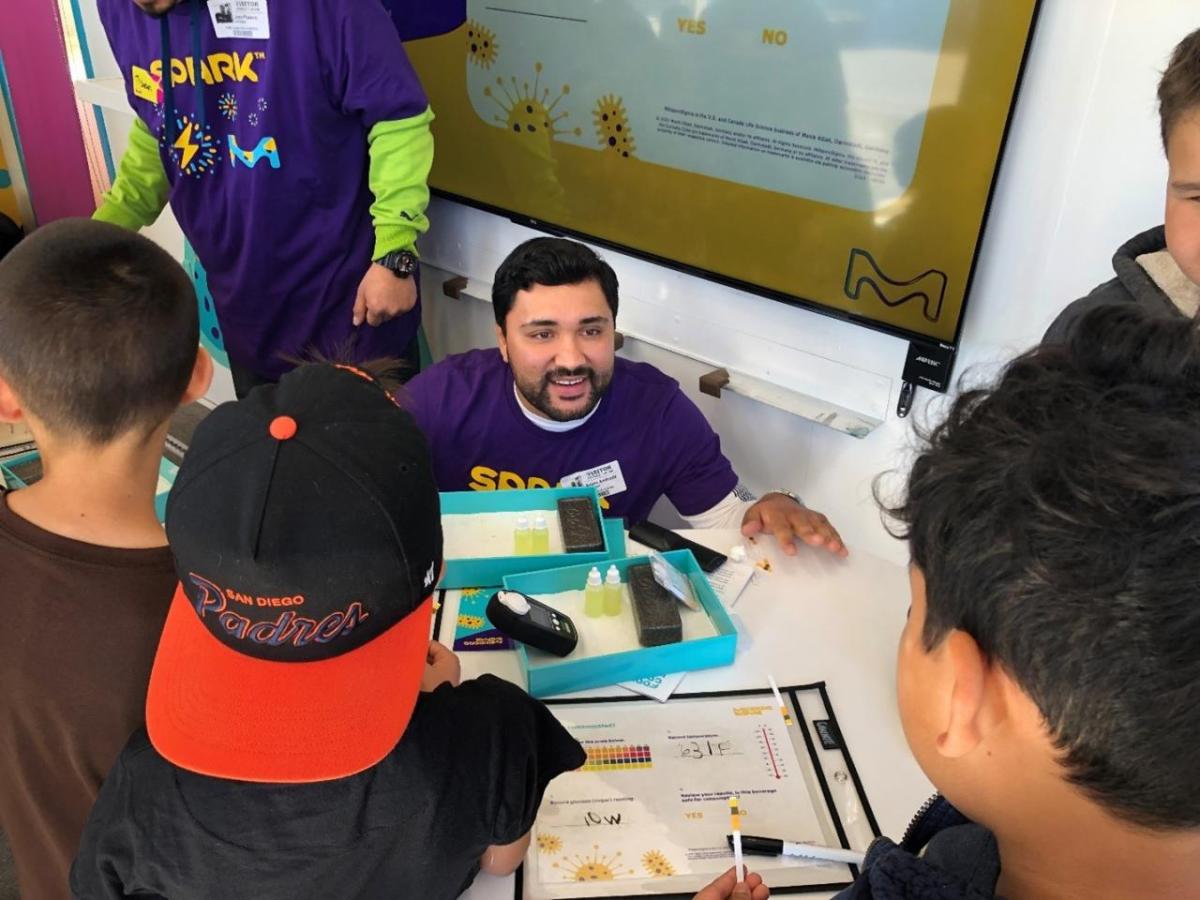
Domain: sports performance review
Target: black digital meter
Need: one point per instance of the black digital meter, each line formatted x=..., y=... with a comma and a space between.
x=532, y=622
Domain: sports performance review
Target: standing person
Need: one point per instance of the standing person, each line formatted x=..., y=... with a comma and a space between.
x=292, y=141
x=304, y=737
x=87, y=576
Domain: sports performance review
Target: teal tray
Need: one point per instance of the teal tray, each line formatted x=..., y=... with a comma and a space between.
x=10, y=478
x=490, y=571
x=548, y=675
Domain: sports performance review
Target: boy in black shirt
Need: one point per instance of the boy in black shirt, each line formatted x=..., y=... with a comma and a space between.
x=1048, y=676
x=289, y=750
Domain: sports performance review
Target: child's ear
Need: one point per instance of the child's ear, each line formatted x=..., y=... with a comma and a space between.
x=10, y=404
x=202, y=374
x=968, y=668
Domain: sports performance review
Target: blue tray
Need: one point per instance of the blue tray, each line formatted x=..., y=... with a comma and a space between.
x=547, y=675
x=489, y=571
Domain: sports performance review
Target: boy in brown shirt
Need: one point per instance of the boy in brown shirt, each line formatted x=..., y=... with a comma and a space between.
x=98, y=346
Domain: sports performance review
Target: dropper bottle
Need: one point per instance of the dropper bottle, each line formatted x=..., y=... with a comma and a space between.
x=522, y=537
x=541, y=536
x=612, y=592
x=593, y=595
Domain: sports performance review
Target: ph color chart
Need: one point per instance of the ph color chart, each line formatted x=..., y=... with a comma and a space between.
x=608, y=759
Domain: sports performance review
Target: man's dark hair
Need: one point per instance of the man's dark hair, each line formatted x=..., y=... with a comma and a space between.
x=1056, y=518
x=550, y=261
x=1179, y=88
x=98, y=329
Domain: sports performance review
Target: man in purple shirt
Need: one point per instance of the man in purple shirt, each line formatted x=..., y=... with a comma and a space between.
x=553, y=405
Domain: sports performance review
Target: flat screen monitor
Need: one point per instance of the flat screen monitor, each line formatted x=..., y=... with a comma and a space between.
x=836, y=154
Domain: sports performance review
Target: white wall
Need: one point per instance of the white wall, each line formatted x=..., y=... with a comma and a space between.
x=1083, y=171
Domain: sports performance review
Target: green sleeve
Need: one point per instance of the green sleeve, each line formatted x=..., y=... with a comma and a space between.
x=401, y=154
x=140, y=191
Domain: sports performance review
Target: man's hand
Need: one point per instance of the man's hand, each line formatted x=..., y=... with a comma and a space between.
x=727, y=888
x=441, y=667
x=789, y=522
x=382, y=296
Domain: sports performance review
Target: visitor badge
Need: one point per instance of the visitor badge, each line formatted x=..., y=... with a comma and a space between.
x=606, y=479
x=245, y=19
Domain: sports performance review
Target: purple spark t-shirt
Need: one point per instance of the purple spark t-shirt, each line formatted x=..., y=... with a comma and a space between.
x=286, y=234
x=658, y=440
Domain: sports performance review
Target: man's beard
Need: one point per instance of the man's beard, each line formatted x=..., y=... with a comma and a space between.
x=158, y=14
x=537, y=393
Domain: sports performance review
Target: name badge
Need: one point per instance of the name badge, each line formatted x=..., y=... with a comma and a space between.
x=246, y=19
x=606, y=479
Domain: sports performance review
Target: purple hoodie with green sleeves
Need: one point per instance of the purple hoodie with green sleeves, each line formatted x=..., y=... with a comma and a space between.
x=290, y=162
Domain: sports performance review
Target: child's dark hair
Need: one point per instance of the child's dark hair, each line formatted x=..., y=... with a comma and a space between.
x=1056, y=518
x=550, y=261
x=1179, y=88
x=98, y=329
x=389, y=372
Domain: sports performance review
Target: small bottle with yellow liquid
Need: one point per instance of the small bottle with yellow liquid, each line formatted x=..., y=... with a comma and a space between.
x=541, y=536
x=522, y=537
x=613, y=592
x=593, y=595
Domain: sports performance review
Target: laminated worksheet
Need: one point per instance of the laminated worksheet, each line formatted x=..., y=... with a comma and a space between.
x=648, y=813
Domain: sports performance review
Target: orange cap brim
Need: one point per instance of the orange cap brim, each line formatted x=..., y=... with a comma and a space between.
x=218, y=712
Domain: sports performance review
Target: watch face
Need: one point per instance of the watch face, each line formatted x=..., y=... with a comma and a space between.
x=401, y=262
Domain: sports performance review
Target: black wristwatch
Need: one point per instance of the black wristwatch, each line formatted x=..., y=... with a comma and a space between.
x=401, y=262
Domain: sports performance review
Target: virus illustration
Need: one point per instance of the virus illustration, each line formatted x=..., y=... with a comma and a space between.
x=195, y=149
x=549, y=843
x=612, y=126
x=227, y=104
x=594, y=867
x=657, y=865
x=529, y=111
x=471, y=621
x=481, y=45
x=262, y=104
x=253, y=118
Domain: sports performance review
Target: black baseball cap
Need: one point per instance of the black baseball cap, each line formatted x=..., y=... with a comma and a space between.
x=306, y=531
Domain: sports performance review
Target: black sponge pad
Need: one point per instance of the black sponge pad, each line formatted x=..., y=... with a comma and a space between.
x=655, y=609
x=580, y=526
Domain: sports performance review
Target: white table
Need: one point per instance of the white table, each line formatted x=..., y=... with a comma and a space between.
x=810, y=618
